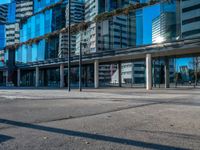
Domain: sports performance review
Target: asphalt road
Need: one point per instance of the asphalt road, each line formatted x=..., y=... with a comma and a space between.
x=103, y=119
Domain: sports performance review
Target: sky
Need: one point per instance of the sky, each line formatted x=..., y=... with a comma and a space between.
x=4, y=1
x=149, y=13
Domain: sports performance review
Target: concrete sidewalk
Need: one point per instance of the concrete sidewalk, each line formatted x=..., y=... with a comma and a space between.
x=114, y=118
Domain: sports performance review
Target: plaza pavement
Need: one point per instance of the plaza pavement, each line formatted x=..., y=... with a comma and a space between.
x=99, y=119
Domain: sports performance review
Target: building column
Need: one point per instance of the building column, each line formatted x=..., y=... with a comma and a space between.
x=61, y=75
x=37, y=77
x=167, y=80
x=96, y=73
x=148, y=72
x=120, y=74
x=18, y=77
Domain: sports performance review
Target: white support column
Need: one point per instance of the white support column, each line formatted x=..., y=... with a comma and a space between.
x=37, y=77
x=148, y=72
x=18, y=77
x=167, y=73
x=96, y=73
x=61, y=75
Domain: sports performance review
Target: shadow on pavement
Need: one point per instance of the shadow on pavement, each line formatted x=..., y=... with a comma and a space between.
x=99, y=137
x=4, y=138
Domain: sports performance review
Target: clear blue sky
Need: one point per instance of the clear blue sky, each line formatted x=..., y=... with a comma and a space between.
x=4, y=1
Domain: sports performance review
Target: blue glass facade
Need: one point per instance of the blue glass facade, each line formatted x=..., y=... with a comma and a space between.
x=39, y=25
x=2, y=36
x=8, y=12
x=11, y=12
x=124, y=31
x=109, y=5
x=148, y=25
x=142, y=24
x=139, y=28
x=3, y=19
x=41, y=4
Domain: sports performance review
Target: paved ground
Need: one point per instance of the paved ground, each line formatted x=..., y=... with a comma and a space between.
x=103, y=119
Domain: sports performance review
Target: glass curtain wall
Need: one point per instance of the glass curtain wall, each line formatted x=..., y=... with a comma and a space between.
x=149, y=25
x=153, y=24
x=163, y=22
x=41, y=4
x=36, y=26
x=87, y=76
x=187, y=72
x=49, y=77
x=27, y=78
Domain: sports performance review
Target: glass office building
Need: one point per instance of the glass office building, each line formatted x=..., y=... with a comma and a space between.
x=11, y=11
x=36, y=26
x=2, y=36
x=3, y=20
x=161, y=22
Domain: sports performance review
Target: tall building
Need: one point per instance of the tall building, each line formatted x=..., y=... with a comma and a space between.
x=77, y=16
x=12, y=33
x=3, y=13
x=190, y=18
x=24, y=8
x=11, y=28
x=91, y=10
x=36, y=26
x=36, y=19
x=163, y=23
x=190, y=26
x=3, y=20
x=163, y=30
x=164, y=27
x=117, y=32
x=18, y=9
x=39, y=22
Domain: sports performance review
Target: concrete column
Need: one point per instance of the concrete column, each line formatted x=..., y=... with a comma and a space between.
x=61, y=75
x=148, y=72
x=96, y=73
x=18, y=77
x=120, y=74
x=167, y=73
x=37, y=77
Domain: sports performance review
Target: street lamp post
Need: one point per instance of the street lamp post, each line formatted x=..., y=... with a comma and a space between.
x=69, y=44
x=80, y=65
